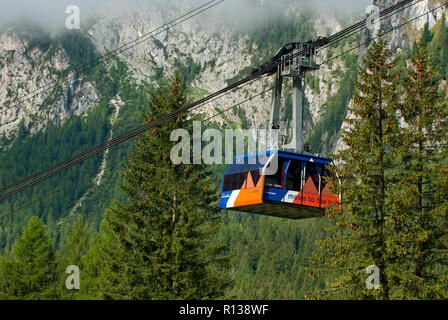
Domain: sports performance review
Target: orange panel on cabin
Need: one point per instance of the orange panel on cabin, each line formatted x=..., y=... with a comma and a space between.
x=252, y=194
x=249, y=196
x=260, y=182
x=310, y=199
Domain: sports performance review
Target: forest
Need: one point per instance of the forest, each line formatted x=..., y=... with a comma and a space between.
x=141, y=236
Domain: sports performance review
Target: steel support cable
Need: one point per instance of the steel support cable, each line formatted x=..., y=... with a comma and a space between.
x=109, y=55
x=247, y=100
x=145, y=127
x=123, y=48
x=113, y=141
x=382, y=15
x=336, y=37
x=30, y=203
x=268, y=67
x=385, y=32
x=353, y=48
x=100, y=148
x=166, y=27
x=360, y=26
x=112, y=164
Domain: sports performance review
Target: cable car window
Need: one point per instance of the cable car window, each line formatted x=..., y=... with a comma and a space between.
x=256, y=175
x=234, y=179
x=227, y=183
x=294, y=175
x=276, y=180
x=311, y=179
x=238, y=180
x=243, y=180
x=236, y=175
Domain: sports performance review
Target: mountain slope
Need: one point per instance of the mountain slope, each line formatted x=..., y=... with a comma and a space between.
x=270, y=255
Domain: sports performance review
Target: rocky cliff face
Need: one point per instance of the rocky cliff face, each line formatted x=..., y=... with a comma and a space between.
x=212, y=45
x=30, y=67
x=404, y=36
x=26, y=71
x=25, y=67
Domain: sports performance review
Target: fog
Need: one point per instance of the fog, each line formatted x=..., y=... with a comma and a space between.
x=340, y=5
x=51, y=14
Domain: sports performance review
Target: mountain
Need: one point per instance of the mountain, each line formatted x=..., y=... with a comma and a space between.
x=42, y=125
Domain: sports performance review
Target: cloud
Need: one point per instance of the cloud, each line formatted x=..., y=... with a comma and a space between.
x=51, y=14
x=340, y=5
x=244, y=15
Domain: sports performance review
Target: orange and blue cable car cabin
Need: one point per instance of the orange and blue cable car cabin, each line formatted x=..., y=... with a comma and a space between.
x=279, y=183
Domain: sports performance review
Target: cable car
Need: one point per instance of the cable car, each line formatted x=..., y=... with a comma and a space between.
x=287, y=182
x=279, y=183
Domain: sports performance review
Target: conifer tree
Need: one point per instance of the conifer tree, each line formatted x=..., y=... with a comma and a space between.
x=9, y=278
x=90, y=272
x=159, y=245
x=426, y=34
x=30, y=272
x=72, y=253
x=439, y=46
x=419, y=221
x=356, y=237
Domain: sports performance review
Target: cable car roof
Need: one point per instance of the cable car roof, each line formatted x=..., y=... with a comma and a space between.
x=305, y=157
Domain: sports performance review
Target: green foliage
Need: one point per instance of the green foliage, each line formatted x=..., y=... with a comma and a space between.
x=357, y=238
x=418, y=219
x=31, y=153
x=85, y=60
x=157, y=245
x=426, y=34
x=438, y=47
x=29, y=273
x=394, y=213
x=287, y=114
x=81, y=50
x=270, y=256
x=188, y=69
x=436, y=42
x=313, y=82
x=243, y=119
x=35, y=35
x=240, y=75
x=91, y=264
x=72, y=252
